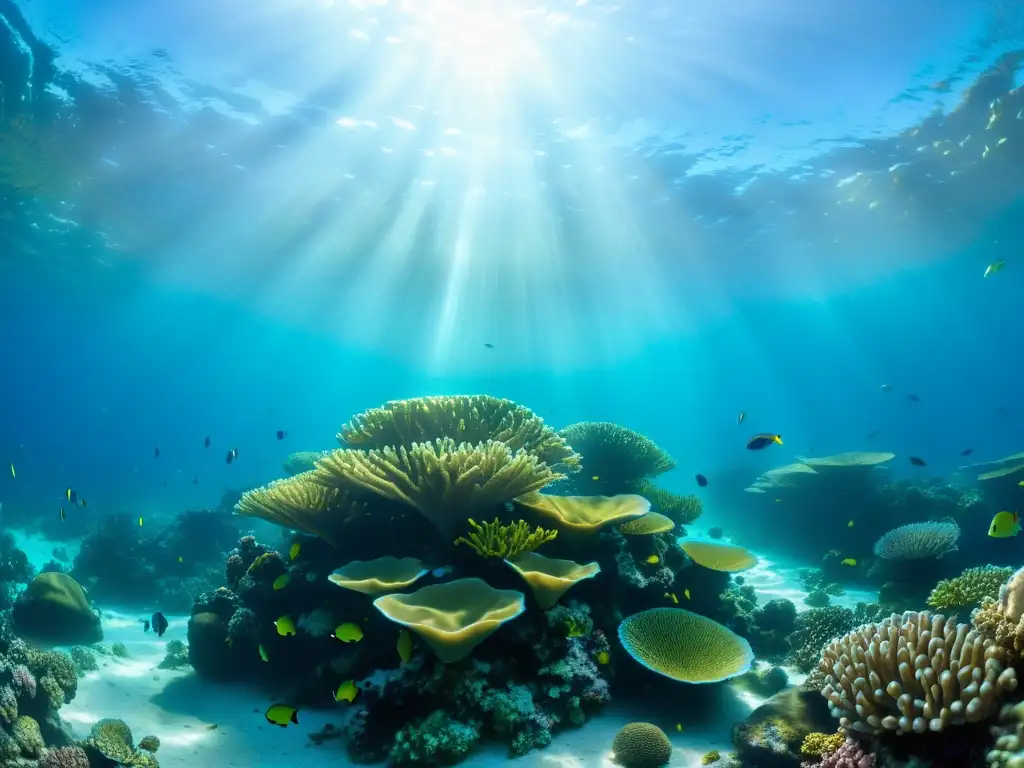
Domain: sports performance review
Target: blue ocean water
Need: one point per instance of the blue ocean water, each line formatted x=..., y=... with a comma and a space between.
x=224, y=220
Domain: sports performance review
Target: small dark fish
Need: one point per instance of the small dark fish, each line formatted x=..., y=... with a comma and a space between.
x=914, y=398
x=156, y=453
x=917, y=462
x=231, y=455
x=488, y=345
x=966, y=451
x=281, y=434
x=741, y=417
x=62, y=517
x=195, y=480
x=715, y=532
x=159, y=624
x=145, y=625
x=206, y=442
x=702, y=481
x=762, y=441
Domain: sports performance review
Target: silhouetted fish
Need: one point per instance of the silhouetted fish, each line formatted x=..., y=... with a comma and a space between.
x=206, y=442
x=917, y=462
x=914, y=398
x=156, y=453
x=488, y=345
x=159, y=624
x=702, y=481
x=966, y=451
x=281, y=434
x=145, y=625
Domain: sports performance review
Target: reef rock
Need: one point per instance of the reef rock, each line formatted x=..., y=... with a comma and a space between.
x=772, y=734
x=53, y=610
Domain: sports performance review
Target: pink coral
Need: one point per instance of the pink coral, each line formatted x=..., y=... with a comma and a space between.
x=65, y=757
x=850, y=755
x=24, y=682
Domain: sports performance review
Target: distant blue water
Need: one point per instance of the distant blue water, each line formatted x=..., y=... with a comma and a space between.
x=663, y=256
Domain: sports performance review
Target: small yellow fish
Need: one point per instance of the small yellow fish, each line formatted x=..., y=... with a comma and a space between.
x=653, y=560
x=263, y=653
x=404, y=646
x=994, y=267
x=181, y=559
x=281, y=581
x=282, y=714
x=850, y=524
x=679, y=727
x=1004, y=525
x=347, y=691
x=778, y=501
x=285, y=626
x=848, y=561
x=140, y=522
x=672, y=596
x=348, y=633
x=573, y=628
x=294, y=551
x=1021, y=483
x=686, y=594
x=596, y=477
x=603, y=658
x=13, y=474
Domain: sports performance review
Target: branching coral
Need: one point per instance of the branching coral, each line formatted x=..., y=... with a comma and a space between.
x=496, y=540
x=918, y=541
x=444, y=480
x=615, y=454
x=817, y=744
x=681, y=509
x=915, y=672
x=470, y=419
x=969, y=588
x=303, y=504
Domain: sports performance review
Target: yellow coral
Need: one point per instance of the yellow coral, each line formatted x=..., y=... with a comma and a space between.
x=817, y=744
x=586, y=514
x=463, y=418
x=650, y=524
x=496, y=540
x=969, y=588
x=445, y=481
x=685, y=646
x=550, y=578
x=711, y=757
x=304, y=505
x=718, y=556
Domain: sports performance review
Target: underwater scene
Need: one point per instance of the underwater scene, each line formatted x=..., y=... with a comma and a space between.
x=543, y=383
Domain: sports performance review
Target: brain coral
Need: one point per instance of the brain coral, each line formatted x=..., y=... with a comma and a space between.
x=969, y=588
x=685, y=646
x=914, y=672
x=918, y=541
x=641, y=745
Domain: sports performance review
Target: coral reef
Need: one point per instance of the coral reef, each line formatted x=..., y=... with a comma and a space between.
x=15, y=570
x=437, y=740
x=681, y=509
x=773, y=734
x=849, y=754
x=914, y=673
x=813, y=630
x=1002, y=620
x=615, y=455
x=506, y=541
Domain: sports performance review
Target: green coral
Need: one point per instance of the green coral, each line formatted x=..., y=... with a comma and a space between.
x=84, y=660
x=55, y=673
x=28, y=737
x=969, y=588
x=149, y=743
x=268, y=561
x=112, y=738
x=506, y=541
x=711, y=757
x=817, y=599
x=616, y=454
x=437, y=740
x=573, y=620
x=9, y=749
x=681, y=509
x=176, y=656
x=120, y=650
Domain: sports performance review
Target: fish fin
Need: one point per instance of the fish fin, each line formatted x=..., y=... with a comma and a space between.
x=295, y=717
